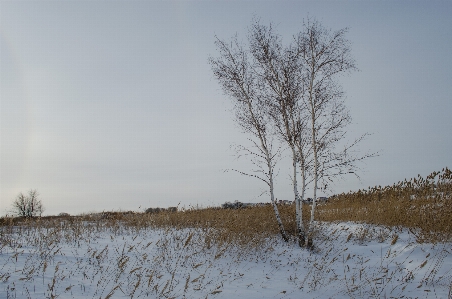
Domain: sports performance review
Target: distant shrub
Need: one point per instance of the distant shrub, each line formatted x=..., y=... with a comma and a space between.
x=28, y=206
x=153, y=210
x=158, y=210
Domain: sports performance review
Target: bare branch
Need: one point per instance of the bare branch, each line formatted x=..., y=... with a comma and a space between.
x=251, y=175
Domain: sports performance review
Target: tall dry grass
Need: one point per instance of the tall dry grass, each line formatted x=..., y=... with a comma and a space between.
x=422, y=205
x=237, y=225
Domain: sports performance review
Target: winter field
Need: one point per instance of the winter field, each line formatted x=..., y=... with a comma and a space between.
x=105, y=259
x=385, y=242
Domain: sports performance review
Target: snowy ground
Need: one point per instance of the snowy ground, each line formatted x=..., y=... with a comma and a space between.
x=90, y=261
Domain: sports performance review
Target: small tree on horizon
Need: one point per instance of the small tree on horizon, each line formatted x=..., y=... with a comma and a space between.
x=28, y=206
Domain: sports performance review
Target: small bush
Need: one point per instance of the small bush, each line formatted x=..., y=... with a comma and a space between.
x=28, y=206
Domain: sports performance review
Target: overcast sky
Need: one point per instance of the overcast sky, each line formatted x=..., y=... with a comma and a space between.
x=113, y=105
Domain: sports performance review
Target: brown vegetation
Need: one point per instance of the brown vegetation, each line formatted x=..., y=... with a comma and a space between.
x=422, y=205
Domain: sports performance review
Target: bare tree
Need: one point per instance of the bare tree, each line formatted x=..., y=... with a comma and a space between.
x=234, y=71
x=28, y=206
x=293, y=92
x=325, y=56
x=278, y=68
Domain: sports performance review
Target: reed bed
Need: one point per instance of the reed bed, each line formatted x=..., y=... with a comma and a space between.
x=424, y=205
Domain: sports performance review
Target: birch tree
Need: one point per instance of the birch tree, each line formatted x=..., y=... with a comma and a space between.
x=234, y=71
x=279, y=70
x=325, y=56
x=293, y=91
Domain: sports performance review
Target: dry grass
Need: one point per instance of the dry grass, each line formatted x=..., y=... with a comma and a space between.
x=241, y=225
x=422, y=205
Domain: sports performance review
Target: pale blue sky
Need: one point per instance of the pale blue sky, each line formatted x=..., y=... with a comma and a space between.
x=112, y=105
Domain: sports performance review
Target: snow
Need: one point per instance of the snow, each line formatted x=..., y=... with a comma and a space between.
x=93, y=261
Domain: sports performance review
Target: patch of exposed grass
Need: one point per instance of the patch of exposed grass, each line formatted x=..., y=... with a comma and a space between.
x=422, y=205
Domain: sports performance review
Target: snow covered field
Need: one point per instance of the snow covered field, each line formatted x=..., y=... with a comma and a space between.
x=90, y=260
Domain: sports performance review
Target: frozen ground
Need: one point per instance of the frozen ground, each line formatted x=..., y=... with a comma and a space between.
x=90, y=261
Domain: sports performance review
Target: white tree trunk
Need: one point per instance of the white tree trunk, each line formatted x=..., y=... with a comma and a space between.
x=298, y=203
x=314, y=149
x=272, y=198
x=316, y=177
x=302, y=232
